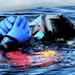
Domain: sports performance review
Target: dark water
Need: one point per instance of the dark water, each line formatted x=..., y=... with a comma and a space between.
x=67, y=66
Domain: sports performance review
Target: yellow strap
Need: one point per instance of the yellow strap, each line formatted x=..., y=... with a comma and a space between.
x=49, y=53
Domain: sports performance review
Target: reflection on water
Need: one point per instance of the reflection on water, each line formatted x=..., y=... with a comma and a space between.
x=67, y=66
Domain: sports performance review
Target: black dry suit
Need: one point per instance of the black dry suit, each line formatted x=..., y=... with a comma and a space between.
x=57, y=27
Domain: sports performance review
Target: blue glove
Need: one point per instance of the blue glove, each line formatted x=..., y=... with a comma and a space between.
x=6, y=25
x=20, y=31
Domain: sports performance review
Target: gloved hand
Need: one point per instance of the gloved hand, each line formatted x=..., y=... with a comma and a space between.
x=6, y=25
x=20, y=30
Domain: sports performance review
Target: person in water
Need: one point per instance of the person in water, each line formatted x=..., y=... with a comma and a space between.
x=13, y=32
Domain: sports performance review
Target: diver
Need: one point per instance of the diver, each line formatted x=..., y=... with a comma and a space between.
x=15, y=32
